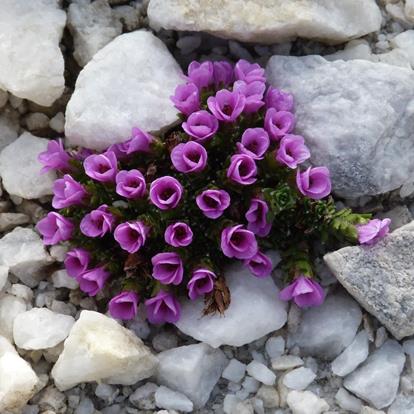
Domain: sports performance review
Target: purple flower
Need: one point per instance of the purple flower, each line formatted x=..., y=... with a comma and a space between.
x=373, y=231
x=213, y=202
x=131, y=235
x=226, y=106
x=101, y=167
x=124, y=306
x=249, y=72
x=259, y=265
x=254, y=143
x=201, y=74
x=238, y=242
x=314, y=182
x=178, y=235
x=167, y=268
x=98, y=222
x=222, y=73
x=55, y=228
x=253, y=93
x=292, y=151
x=139, y=142
x=304, y=291
x=278, y=124
x=256, y=217
x=201, y=282
x=186, y=98
x=163, y=307
x=92, y=281
x=55, y=157
x=242, y=169
x=67, y=192
x=281, y=101
x=120, y=150
x=77, y=262
x=130, y=184
x=166, y=192
x=190, y=157
x=200, y=125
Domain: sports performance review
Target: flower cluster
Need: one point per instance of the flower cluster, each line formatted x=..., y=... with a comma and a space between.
x=154, y=219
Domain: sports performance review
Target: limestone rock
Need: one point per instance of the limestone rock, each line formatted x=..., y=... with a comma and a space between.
x=10, y=308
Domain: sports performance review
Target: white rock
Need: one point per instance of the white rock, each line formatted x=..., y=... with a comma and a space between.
x=39, y=328
x=4, y=274
x=402, y=405
x=25, y=181
x=99, y=349
x=347, y=401
x=409, y=10
x=261, y=21
x=21, y=291
x=60, y=279
x=92, y=26
x=396, y=57
x=355, y=49
x=18, y=381
x=286, y=362
x=143, y=397
x=275, y=346
x=172, y=400
x=8, y=131
x=10, y=307
x=230, y=403
x=269, y=396
x=234, y=371
x=250, y=384
x=241, y=324
x=375, y=155
x=261, y=373
x=299, y=378
x=31, y=62
x=36, y=120
x=326, y=330
x=192, y=370
x=9, y=221
x=135, y=66
x=405, y=42
x=352, y=356
x=377, y=380
x=306, y=402
x=57, y=123
x=368, y=410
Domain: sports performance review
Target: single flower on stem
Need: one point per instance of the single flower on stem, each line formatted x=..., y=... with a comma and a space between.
x=292, y=151
x=167, y=268
x=242, y=169
x=55, y=157
x=201, y=126
x=201, y=282
x=372, y=232
x=253, y=93
x=98, y=222
x=55, y=228
x=281, y=101
x=238, y=242
x=314, y=182
x=304, y=291
x=163, y=307
x=222, y=73
x=77, y=262
x=67, y=192
x=201, y=74
x=256, y=216
x=226, y=105
x=130, y=184
x=101, y=167
x=166, y=192
x=213, y=202
x=178, y=235
x=132, y=235
x=254, y=143
x=278, y=123
x=186, y=98
x=249, y=72
x=259, y=265
x=190, y=157
x=124, y=306
x=93, y=280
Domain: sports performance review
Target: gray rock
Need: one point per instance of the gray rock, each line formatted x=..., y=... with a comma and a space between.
x=299, y=378
x=172, y=400
x=306, y=402
x=9, y=221
x=261, y=372
x=357, y=118
x=234, y=371
x=380, y=278
x=8, y=131
x=347, y=401
x=402, y=405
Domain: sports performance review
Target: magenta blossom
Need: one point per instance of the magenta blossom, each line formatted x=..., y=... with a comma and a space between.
x=101, y=167
x=186, y=98
x=213, y=202
x=256, y=216
x=120, y=150
x=168, y=268
x=201, y=282
x=55, y=228
x=242, y=169
x=373, y=231
x=304, y=291
x=130, y=184
x=163, y=307
x=201, y=74
x=200, y=125
x=278, y=124
x=93, y=281
x=190, y=157
x=77, y=262
x=292, y=151
x=166, y=192
x=259, y=265
x=98, y=222
x=253, y=93
x=249, y=72
x=67, y=192
x=281, y=101
x=226, y=106
x=124, y=306
x=55, y=157
x=254, y=143
x=238, y=242
x=314, y=182
x=222, y=73
x=140, y=141
x=178, y=234
x=131, y=236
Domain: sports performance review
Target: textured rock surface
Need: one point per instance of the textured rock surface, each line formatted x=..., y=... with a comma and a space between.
x=31, y=63
x=381, y=278
x=99, y=349
x=10, y=308
x=8, y=131
x=269, y=22
x=405, y=42
x=136, y=66
x=306, y=402
x=367, y=143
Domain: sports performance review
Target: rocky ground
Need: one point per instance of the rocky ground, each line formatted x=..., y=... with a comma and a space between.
x=355, y=106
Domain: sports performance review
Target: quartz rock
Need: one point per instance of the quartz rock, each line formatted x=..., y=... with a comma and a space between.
x=405, y=42
x=31, y=62
x=326, y=330
x=347, y=401
x=99, y=349
x=127, y=84
x=172, y=400
x=60, y=279
x=39, y=328
x=241, y=324
x=25, y=181
x=380, y=278
x=299, y=378
x=192, y=370
x=286, y=362
x=10, y=308
x=377, y=380
x=8, y=131
x=375, y=155
x=261, y=373
x=402, y=405
x=261, y=21
x=306, y=402
x=355, y=49
x=234, y=371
